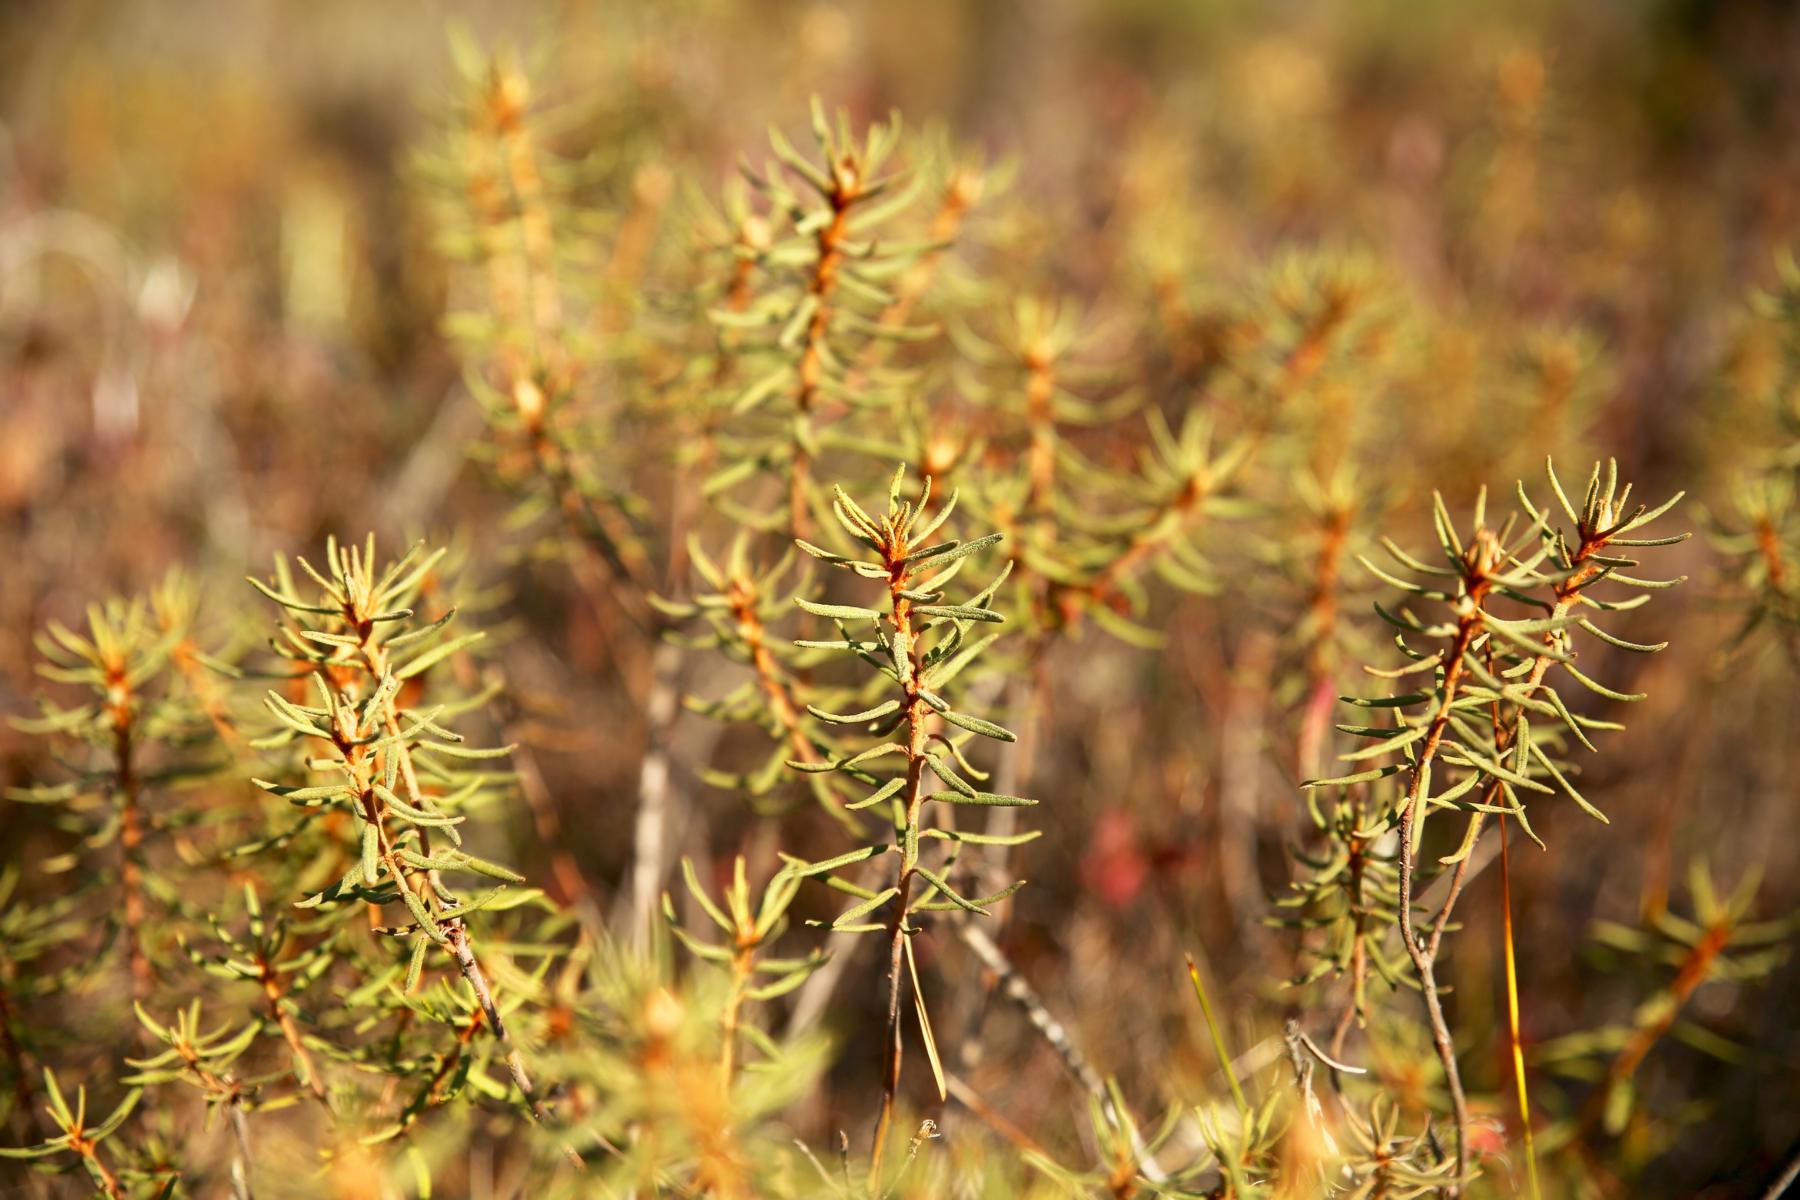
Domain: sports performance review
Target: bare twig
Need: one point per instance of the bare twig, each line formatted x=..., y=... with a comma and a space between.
x=655, y=792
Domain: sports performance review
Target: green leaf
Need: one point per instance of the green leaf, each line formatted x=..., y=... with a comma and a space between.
x=1359, y=777
x=1621, y=643
x=945, y=553
x=957, y=612
x=1600, y=688
x=416, y=964
x=837, y=612
x=803, y=869
x=1543, y=759
x=452, y=750
x=977, y=725
x=985, y=799
x=481, y=866
x=371, y=854
x=1407, y=701
x=487, y=899
x=437, y=654
x=856, y=718
x=417, y=907
x=955, y=898
x=289, y=602
x=821, y=553
x=884, y=792
x=980, y=902
x=1126, y=630
x=788, y=982
x=983, y=839
x=712, y=911
x=700, y=949
x=117, y=1116
x=856, y=912
x=346, y=884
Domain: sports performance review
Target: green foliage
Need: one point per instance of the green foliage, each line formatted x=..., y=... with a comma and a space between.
x=1494, y=673
x=918, y=646
x=74, y=1135
x=1720, y=943
x=1175, y=436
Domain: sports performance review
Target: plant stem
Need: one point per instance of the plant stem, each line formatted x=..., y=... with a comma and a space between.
x=917, y=730
x=455, y=934
x=104, y=1179
x=303, y=1061
x=741, y=963
x=1512, y=1016
x=655, y=791
x=1321, y=627
x=1357, y=849
x=1477, y=569
x=240, y=1166
x=1040, y=392
x=131, y=830
x=776, y=690
x=1218, y=1039
x=1423, y=960
x=470, y=966
x=846, y=191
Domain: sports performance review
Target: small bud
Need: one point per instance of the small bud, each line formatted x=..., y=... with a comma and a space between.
x=754, y=232
x=528, y=399
x=941, y=452
x=662, y=1014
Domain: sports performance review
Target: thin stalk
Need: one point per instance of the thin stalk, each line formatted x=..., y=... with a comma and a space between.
x=240, y=1166
x=1016, y=988
x=1512, y=1017
x=509, y=98
x=651, y=185
x=655, y=790
x=1218, y=1039
x=970, y=1099
x=463, y=1037
x=961, y=192
x=1424, y=954
x=1785, y=1180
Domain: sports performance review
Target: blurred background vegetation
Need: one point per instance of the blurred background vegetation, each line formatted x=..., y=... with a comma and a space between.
x=222, y=311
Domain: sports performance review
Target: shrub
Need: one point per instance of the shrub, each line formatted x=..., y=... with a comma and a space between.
x=828, y=525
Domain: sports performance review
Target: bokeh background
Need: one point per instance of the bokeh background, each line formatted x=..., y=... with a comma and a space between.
x=221, y=307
